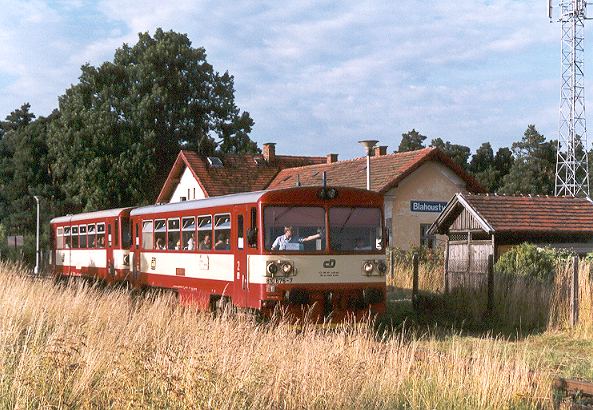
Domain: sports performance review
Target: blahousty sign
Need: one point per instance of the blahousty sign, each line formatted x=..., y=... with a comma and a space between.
x=427, y=206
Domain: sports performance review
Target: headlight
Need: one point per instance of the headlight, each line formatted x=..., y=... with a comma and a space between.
x=367, y=267
x=271, y=269
x=382, y=267
x=287, y=268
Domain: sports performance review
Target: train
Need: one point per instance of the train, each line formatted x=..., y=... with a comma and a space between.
x=313, y=250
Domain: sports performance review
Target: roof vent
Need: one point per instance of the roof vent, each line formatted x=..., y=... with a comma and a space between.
x=214, y=162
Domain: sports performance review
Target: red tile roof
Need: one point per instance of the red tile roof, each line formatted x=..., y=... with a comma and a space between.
x=533, y=213
x=239, y=173
x=386, y=171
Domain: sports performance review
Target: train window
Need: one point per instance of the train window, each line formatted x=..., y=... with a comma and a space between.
x=116, y=233
x=126, y=234
x=160, y=234
x=147, y=235
x=240, y=238
x=109, y=238
x=306, y=225
x=90, y=232
x=205, y=232
x=74, y=232
x=252, y=232
x=222, y=232
x=174, y=239
x=82, y=232
x=189, y=233
x=353, y=229
x=101, y=235
x=60, y=238
x=66, y=237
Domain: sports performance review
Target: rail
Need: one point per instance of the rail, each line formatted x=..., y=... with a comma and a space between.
x=579, y=393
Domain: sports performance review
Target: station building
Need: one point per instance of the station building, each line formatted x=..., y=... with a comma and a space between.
x=416, y=185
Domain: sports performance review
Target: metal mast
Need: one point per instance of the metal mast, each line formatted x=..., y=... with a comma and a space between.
x=572, y=170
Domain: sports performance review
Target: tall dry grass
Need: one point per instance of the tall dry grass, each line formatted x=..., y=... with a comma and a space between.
x=79, y=346
x=519, y=302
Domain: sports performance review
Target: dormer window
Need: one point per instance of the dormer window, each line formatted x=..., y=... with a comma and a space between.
x=259, y=161
x=214, y=162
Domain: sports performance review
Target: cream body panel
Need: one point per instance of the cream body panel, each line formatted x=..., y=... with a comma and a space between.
x=93, y=258
x=118, y=258
x=196, y=265
x=310, y=269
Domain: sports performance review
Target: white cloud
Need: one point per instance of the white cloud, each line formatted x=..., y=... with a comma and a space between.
x=319, y=72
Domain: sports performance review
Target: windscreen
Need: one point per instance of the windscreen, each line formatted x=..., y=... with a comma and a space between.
x=294, y=228
x=355, y=229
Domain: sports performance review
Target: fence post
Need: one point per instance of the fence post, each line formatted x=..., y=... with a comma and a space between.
x=415, y=263
x=574, y=292
x=490, y=305
x=446, y=270
x=392, y=263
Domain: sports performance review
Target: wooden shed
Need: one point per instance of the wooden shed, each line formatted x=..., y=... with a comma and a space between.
x=480, y=225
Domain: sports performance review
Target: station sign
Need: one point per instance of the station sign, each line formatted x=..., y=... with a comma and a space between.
x=427, y=206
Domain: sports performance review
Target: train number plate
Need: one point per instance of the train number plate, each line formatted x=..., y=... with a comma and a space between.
x=278, y=280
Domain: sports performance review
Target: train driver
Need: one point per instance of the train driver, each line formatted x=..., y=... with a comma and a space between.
x=282, y=240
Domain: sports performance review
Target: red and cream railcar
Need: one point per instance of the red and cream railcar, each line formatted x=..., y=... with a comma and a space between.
x=93, y=245
x=220, y=249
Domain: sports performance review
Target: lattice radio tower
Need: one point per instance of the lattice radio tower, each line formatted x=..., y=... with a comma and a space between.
x=572, y=170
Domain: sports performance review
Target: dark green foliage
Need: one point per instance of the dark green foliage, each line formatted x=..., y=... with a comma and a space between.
x=534, y=167
x=458, y=153
x=24, y=172
x=411, y=141
x=116, y=134
x=489, y=169
x=121, y=127
x=530, y=261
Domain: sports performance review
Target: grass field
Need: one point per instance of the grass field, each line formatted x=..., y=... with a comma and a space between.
x=76, y=345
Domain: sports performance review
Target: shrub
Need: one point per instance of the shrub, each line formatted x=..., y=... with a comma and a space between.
x=530, y=261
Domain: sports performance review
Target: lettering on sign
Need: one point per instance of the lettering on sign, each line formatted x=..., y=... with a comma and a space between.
x=153, y=263
x=427, y=206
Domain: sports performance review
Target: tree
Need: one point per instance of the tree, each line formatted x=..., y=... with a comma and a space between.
x=458, y=153
x=11, y=127
x=534, y=168
x=24, y=172
x=482, y=159
x=411, y=141
x=125, y=121
x=503, y=160
x=484, y=166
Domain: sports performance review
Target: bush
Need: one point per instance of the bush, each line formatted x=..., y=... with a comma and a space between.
x=531, y=261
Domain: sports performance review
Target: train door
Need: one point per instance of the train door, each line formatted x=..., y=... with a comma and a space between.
x=240, y=246
x=111, y=242
x=135, y=251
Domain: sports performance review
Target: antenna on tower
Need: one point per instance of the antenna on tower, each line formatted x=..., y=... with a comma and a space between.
x=572, y=169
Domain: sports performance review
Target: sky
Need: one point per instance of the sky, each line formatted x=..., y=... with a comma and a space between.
x=317, y=76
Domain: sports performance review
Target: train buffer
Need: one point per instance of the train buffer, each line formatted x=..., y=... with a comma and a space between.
x=576, y=394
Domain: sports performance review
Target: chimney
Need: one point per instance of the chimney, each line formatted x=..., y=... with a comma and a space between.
x=331, y=158
x=380, y=150
x=269, y=152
